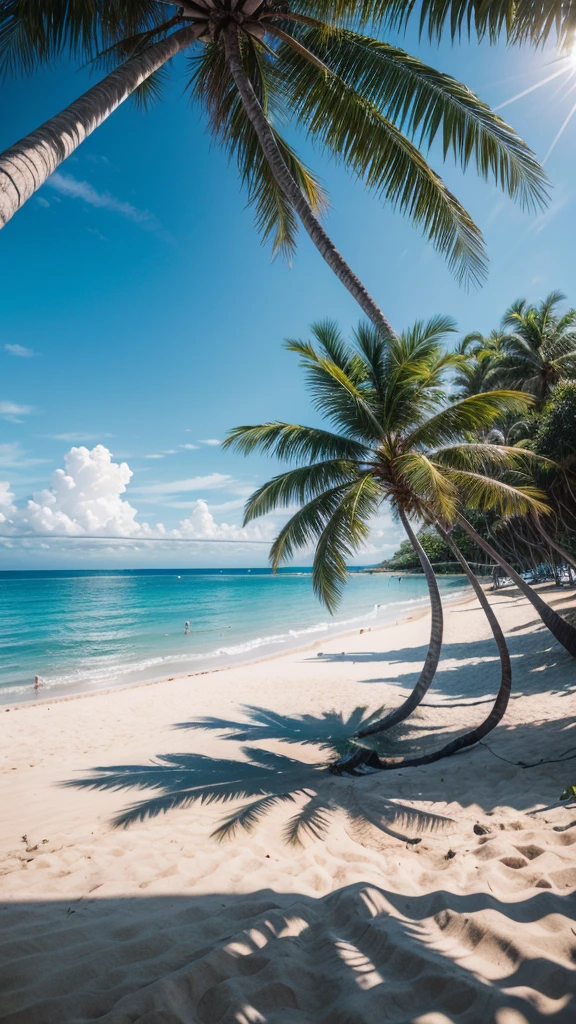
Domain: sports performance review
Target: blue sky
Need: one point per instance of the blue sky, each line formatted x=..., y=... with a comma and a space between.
x=139, y=311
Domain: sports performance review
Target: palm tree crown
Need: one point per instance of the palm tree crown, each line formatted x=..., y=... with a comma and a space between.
x=396, y=439
x=367, y=102
x=538, y=348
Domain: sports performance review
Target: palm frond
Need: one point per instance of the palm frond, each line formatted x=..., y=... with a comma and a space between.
x=344, y=397
x=297, y=486
x=480, y=491
x=469, y=414
x=292, y=442
x=532, y=21
x=425, y=103
x=485, y=456
x=33, y=33
x=306, y=525
x=356, y=133
x=213, y=85
x=346, y=530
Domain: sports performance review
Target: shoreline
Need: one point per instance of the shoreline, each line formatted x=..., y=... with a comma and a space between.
x=417, y=613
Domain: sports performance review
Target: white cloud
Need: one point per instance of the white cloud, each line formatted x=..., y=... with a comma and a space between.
x=83, y=498
x=20, y=350
x=190, y=447
x=210, y=440
x=6, y=501
x=201, y=523
x=6, y=496
x=210, y=482
x=160, y=455
x=69, y=186
x=222, y=506
x=13, y=412
x=87, y=498
x=42, y=202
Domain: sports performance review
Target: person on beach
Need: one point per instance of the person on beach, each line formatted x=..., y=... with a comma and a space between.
x=186, y=628
x=37, y=682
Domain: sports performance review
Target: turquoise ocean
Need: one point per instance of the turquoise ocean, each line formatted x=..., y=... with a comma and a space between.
x=88, y=630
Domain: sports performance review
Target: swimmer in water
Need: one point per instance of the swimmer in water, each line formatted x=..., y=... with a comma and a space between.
x=186, y=628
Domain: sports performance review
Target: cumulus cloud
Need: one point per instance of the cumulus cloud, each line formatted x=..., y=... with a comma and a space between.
x=20, y=350
x=201, y=523
x=190, y=447
x=68, y=185
x=210, y=440
x=87, y=498
x=13, y=412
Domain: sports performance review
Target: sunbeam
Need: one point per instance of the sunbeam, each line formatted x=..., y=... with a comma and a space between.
x=526, y=92
x=564, y=124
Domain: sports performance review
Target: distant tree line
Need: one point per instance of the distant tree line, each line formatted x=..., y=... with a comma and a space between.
x=533, y=350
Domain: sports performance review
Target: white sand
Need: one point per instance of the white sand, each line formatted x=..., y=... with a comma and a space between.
x=160, y=924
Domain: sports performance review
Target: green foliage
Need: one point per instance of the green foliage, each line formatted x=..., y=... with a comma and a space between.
x=516, y=20
x=395, y=438
x=533, y=350
x=441, y=556
x=555, y=435
x=371, y=105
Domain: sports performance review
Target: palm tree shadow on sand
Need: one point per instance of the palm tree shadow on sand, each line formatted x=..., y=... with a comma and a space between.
x=264, y=780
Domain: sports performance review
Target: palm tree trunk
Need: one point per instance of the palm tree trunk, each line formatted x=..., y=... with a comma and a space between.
x=562, y=630
x=358, y=757
x=26, y=165
x=291, y=190
x=502, y=697
x=434, y=647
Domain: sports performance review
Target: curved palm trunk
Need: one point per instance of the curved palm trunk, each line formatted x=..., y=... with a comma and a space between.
x=562, y=630
x=359, y=756
x=291, y=190
x=434, y=647
x=26, y=165
x=502, y=697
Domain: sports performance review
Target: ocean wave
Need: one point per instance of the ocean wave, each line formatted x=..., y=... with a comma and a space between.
x=156, y=667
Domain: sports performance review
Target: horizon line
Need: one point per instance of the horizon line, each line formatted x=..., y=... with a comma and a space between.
x=163, y=540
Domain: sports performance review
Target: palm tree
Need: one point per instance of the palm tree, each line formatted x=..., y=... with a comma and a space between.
x=254, y=66
x=482, y=353
x=538, y=348
x=478, y=372
x=396, y=440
